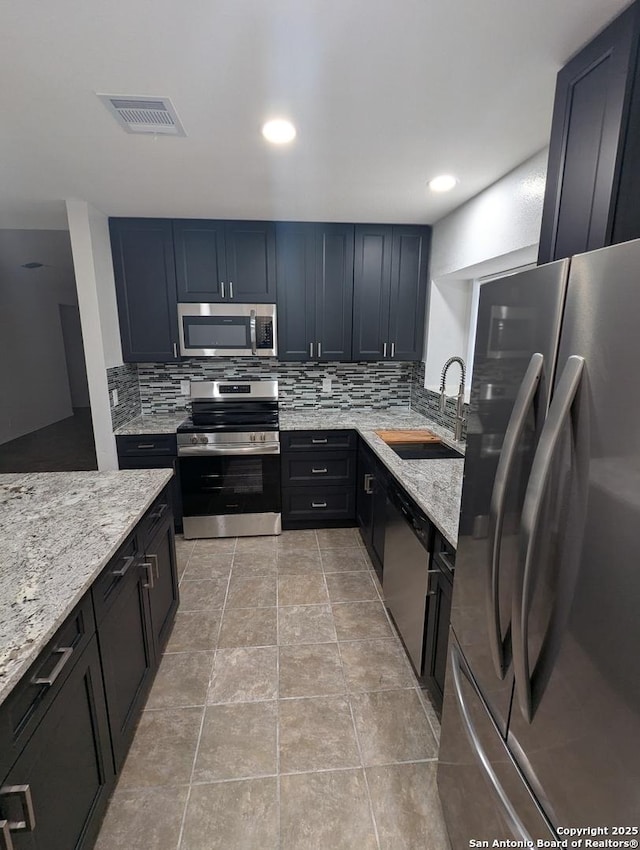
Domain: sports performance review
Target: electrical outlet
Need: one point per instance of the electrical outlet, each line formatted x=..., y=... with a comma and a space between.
x=185, y=388
x=326, y=386
x=114, y=398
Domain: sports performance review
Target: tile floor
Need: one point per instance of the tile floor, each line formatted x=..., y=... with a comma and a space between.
x=284, y=713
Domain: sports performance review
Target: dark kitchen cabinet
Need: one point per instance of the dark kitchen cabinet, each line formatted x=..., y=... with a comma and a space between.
x=60, y=784
x=593, y=175
x=225, y=261
x=390, y=286
x=314, y=265
x=438, y=616
x=371, y=495
x=153, y=451
x=144, y=270
x=162, y=574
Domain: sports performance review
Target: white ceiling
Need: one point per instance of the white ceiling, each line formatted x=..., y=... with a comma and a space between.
x=384, y=93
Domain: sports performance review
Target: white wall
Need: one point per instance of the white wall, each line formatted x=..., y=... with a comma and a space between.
x=74, y=355
x=34, y=384
x=89, y=231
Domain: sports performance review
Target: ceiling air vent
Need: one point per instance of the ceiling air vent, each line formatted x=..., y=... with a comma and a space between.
x=154, y=115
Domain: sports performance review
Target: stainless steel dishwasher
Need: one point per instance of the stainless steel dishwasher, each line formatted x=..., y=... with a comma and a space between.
x=406, y=571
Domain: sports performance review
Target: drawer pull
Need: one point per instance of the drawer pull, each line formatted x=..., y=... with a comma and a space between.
x=146, y=445
x=318, y=504
x=322, y=471
x=148, y=585
x=368, y=480
x=5, y=836
x=156, y=568
x=28, y=823
x=123, y=570
x=157, y=514
x=65, y=653
x=319, y=442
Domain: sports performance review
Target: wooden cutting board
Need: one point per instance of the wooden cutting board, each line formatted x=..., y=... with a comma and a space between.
x=408, y=436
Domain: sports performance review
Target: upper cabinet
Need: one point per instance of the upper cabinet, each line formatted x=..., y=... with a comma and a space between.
x=225, y=261
x=390, y=286
x=315, y=291
x=144, y=271
x=593, y=176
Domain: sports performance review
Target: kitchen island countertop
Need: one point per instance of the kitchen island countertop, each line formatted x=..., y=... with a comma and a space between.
x=58, y=530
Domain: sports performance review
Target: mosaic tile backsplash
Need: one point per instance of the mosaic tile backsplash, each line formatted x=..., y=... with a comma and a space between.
x=427, y=402
x=125, y=380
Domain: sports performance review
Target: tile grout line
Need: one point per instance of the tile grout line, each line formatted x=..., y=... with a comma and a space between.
x=278, y=786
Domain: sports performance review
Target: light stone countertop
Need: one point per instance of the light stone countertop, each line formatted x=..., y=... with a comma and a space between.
x=157, y=423
x=57, y=532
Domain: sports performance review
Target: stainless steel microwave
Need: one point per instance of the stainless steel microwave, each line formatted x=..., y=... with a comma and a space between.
x=227, y=330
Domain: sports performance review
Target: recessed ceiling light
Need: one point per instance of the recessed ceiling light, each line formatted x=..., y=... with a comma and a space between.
x=443, y=183
x=279, y=131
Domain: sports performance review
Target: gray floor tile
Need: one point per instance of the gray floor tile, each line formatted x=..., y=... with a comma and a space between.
x=406, y=807
x=232, y=816
x=194, y=630
x=249, y=627
x=305, y=624
x=293, y=540
x=338, y=538
x=392, y=727
x=254, y=564
x=182, y=679
x=238, y=741
x=215, y=546
x=375, y=665
x=143, y=819
x=302, y=589
x=299, y=562
x=361, y=621
x=311, y=670
x=326, y=811
x=204, y=565
x=252, y=591
x=259, y=545
x=163, y=748
x=202, y=595
x=351, y=587
x=316, y=734
x=343, y=560
x=244, y=674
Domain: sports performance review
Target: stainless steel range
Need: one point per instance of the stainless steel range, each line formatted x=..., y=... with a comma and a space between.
x=228, y=453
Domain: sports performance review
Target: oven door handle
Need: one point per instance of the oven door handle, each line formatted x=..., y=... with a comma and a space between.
x=252, y=331
x=228, y=451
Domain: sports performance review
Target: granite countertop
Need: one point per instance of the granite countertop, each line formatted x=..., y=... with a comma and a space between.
x=157, y=423
x=435, y=485
x=57, y=532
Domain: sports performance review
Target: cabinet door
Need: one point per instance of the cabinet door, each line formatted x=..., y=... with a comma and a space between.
x=295, y=264
x=200, y=260
x=126, y=649
x=160, y=553
x=379, y=521
x=588, y=122
x=250, y=248
x=364, y=495
x=437, y=633
x=371, y=288
x=144, y=270
x=409, y=266
x=334, y=290
x=66, y=766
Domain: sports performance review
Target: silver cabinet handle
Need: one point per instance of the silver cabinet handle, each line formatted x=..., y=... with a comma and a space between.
x=319, y=442
x=154, y=559
x=231, y=289
x=222, y=288
x=124, y=569
x=393, y=349
x=5, y=836
x=368, y=480
x=252, y=332
x=559, y=413
x=318, y=504
x=149, y=584
x=175, y=349
x=319, y=349
x=146, y=445
x=429, y=574
x=65, y=653
x=310, y=349
x=158, y=513
x=322, y=471
x=28, y=822
x=513, y=435
x=384, y=350
x=509, y=812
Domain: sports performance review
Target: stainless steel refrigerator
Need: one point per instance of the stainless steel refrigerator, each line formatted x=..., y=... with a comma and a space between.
x=541, y=716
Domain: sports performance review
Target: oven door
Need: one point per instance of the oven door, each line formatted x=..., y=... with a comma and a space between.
x=229, y=495
x=227, y=330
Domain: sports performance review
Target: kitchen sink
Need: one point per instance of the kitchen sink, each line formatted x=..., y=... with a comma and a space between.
x=425, y=451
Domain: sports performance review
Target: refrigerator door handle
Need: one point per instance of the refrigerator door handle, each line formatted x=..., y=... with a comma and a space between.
x=509, y=811
x=559, y=413
x=500, y=648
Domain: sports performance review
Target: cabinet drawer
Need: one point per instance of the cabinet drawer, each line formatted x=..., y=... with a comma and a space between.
x=313, y=468
x=147, y=444
x=109, y=583
x=304, y=441
x=318, y=503
x=31, y=698
x=154, y=518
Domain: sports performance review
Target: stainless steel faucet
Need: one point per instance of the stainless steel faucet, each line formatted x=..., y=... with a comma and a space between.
x=460, y=420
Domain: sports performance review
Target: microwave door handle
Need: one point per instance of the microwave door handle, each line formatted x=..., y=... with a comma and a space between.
x=252, y=331
x=512, y=438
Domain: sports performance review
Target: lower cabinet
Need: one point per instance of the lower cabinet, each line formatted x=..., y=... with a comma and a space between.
x=437, y=619
x=153, y=451
x=371, y=505
x=162, y=582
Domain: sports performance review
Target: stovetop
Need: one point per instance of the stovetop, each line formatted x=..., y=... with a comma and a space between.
x=188, y=427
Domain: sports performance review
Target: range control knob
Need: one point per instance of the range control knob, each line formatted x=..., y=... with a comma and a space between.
x=194, y=439
x=252, y=438
x=203, y=440
x=263, y=438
